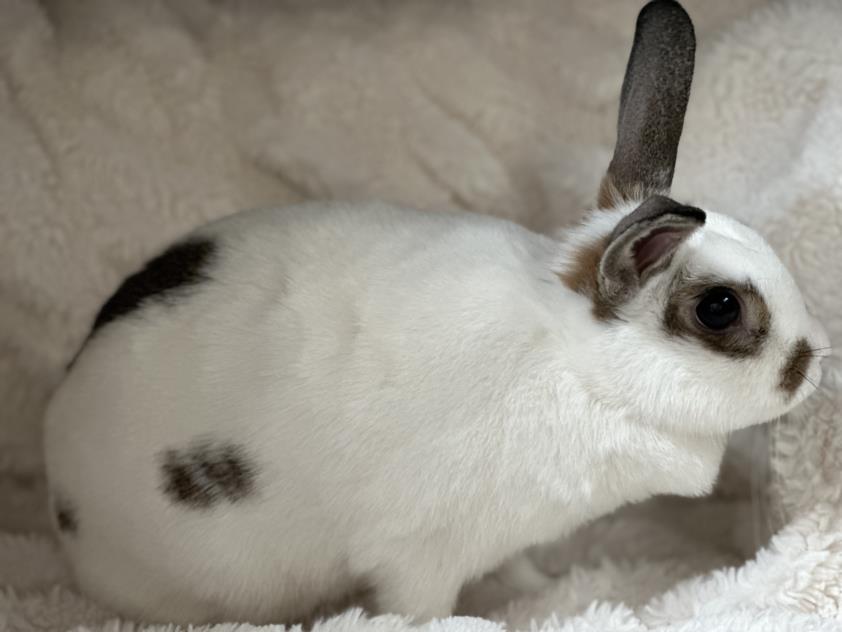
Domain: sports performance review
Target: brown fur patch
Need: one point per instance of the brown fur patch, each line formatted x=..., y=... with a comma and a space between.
x=206, y=474
x=794, y=371
x=743, y=341
x=583, y=277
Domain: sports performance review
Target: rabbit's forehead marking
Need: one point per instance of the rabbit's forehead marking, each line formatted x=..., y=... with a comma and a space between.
x=204, y=474
x=746, y=340
x=64, y=514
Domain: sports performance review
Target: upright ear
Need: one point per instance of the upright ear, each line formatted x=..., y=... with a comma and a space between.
x=653, y=101
x=642, y=244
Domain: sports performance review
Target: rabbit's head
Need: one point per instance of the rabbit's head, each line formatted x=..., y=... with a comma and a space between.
x=701, y=325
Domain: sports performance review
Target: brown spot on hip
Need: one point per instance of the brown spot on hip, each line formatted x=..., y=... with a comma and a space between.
x=205, y=474
x=794, y=372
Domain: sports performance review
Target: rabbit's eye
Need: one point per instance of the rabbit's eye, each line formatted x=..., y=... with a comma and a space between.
x=718, y=309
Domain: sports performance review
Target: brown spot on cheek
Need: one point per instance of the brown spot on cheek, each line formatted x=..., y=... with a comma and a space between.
x=795, y=370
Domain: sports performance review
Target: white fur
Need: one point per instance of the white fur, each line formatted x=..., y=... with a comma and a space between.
x=423, y=398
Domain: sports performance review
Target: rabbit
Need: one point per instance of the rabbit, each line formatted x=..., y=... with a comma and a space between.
x=289, y=408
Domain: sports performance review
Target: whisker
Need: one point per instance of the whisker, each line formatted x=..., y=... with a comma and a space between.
x=815, y=386
x=813, y=355
x=815, y=352
x=828, y=393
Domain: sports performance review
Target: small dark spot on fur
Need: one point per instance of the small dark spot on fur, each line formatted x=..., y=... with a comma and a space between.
x=795, y=369
x=204, y=475
x=65, y=516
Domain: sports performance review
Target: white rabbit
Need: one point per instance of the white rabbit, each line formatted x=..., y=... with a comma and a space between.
x=291, y=407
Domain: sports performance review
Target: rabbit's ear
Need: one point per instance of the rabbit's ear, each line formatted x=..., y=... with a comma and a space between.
x=641, y=245
x=652, y=105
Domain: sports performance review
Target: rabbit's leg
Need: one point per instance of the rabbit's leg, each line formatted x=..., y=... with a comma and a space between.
x=420, y=584
x=422, y=599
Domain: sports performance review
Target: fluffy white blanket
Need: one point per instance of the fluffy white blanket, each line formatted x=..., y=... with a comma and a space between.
x=126, y=123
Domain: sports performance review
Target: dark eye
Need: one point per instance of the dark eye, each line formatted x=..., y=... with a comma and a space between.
x=718, y=309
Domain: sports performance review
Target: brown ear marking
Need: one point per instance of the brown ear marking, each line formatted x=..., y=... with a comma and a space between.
x=600, y=270
x=654, y=208
x=745, y=341
x=582, y=276
x=794, y=371
x=642, y=244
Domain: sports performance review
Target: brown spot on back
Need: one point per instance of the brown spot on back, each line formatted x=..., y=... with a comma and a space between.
x=203, y=475
x=794, y=371
x=744, y=341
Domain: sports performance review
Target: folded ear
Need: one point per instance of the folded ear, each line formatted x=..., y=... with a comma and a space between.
x=641, y=245
x=653, y=101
